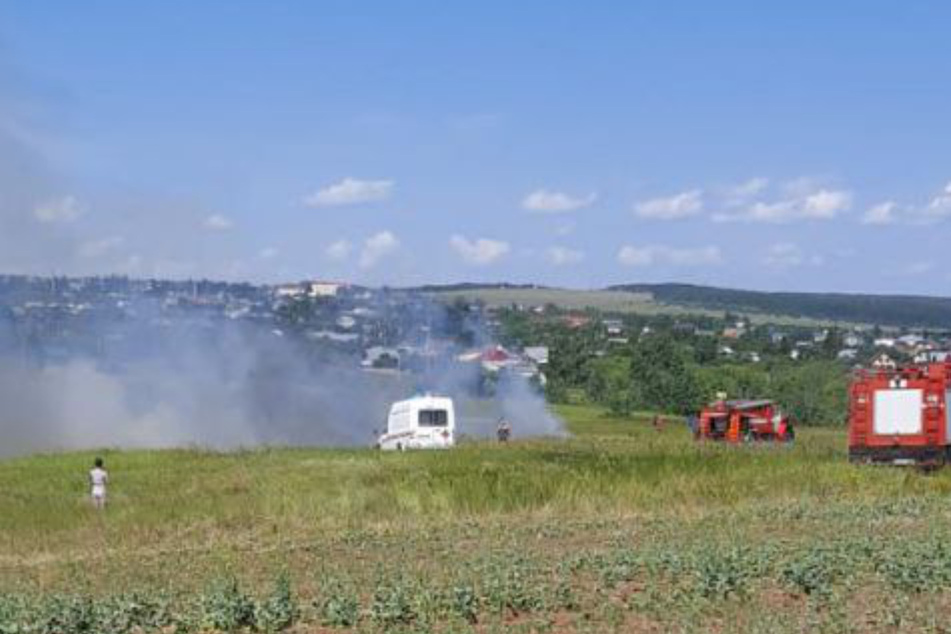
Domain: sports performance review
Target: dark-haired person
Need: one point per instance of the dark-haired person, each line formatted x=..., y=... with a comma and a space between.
x=98, y=479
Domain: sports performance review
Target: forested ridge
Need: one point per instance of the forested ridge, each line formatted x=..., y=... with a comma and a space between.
x=887, y=310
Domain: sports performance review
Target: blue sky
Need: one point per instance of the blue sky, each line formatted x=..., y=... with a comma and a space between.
x=800, y=146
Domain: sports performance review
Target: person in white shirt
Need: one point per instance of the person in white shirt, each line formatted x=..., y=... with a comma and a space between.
x=98, y=478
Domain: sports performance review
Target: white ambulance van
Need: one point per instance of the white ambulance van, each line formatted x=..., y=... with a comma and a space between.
x=421, y=422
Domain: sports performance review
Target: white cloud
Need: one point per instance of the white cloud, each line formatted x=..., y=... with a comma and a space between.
x=545, y=201
x=664, y=255
x=826, y=203
x=377, y=247
x=743, y=193
x=816, y=204
x=481, y=251
x=790, y=255
x=218, y=222
x=891, y=212
x=64, y=209
x=636, y=256
x=339, y=250
x=940, y=205
x=682, y=205
x=881, y=214
x=98, y=248
x=268, y=253
x=349, y=191
x=563, y=256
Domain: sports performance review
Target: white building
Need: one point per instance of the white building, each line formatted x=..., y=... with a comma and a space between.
x=538, y=354
x=933, y=356
x=324, y=289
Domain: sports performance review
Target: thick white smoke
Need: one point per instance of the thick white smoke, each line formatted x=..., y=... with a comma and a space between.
x=225, y=385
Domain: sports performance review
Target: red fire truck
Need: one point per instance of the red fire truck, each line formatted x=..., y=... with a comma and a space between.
x=743, y=421
x=900, y=416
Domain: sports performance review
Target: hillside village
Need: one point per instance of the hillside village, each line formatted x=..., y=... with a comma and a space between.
x=115, y=319
x=55, y=318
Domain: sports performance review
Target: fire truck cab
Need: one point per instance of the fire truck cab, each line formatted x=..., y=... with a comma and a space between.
x=900, y=416
x=743, y=421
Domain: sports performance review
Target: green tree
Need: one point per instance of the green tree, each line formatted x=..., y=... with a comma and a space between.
x=814, y=393
x=661, y=378
x=609, y=384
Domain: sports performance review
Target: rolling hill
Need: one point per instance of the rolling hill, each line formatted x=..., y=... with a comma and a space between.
x=911, y=311
x=887, y=310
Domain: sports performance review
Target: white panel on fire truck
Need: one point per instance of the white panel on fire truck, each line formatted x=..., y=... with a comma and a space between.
x=947, y=415
x=897, y=412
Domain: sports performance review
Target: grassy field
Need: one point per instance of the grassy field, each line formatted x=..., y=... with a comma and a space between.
x=610, y=302
x=620, y=528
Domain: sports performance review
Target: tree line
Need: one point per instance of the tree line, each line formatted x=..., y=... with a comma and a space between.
x=663, y=370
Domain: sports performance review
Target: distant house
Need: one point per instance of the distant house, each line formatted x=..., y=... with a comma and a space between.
x=496, y=354
x=537, y=354
x=911, y=340
x=381, y=357
x=324, y=289
x=884, y=342
x=852, y=340
x=469, y=357
x=337, y=337
x=847, y=354
x=576, y=321
x=496, y=358
x=884, y=362
x=933, y=356
x=613, y=327
x=346, y=322
x=732, y=332
x=289, y=291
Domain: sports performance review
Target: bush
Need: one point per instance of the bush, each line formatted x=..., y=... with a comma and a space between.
x=226, y=607
x=278, y=611
x=465, y=603
x=813, y=573
x=506, y=587
x=392, y=604
x=338, y=606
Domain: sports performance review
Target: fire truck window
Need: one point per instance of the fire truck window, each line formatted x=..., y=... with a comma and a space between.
x=433, y=418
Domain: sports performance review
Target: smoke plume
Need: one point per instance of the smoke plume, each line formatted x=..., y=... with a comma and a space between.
x=156, y=382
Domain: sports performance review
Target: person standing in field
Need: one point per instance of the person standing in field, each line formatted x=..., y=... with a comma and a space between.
x=503, y=430
x=98, y=478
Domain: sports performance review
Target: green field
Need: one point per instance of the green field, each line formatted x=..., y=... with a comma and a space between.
x=620, y=528
x=615, y=302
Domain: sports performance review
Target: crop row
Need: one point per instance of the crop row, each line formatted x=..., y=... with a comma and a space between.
x=502, y=587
